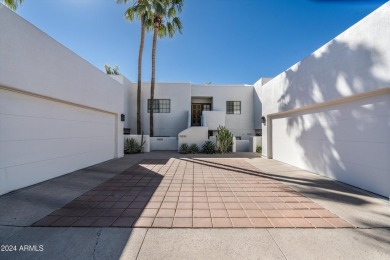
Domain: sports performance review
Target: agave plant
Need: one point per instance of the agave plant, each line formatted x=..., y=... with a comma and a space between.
x=224, y=139
x=132, y=146
x=194, y=148
x=209, y=147
x=184, y=148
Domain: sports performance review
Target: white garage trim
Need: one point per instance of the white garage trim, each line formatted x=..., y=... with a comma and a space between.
x=54, y=99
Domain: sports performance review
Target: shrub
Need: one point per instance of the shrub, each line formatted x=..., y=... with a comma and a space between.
x=194, y=148
x=209, y=147
x=184, y=148
x=258, y=149
x=111, y=71
x=224, y=139
x=132, y=146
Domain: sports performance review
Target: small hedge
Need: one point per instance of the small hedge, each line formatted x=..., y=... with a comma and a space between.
x=209, y=147
x=184, y=149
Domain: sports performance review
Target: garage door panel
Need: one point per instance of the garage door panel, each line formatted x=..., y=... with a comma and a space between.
x=13, y=103
x=26, y=174
x=346, y=142
x=28, y=151
x=35, y=132
x=368, y=178
x=25, y=128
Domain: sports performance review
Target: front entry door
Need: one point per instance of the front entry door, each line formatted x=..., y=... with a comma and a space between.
x=197, y=110
x=196, y=114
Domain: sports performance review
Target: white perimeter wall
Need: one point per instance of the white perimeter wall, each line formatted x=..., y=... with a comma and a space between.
x=257, y=102
x=130, y=105
x=163, y=143
x=240, y=125
x=330, y=113
x=58, y=113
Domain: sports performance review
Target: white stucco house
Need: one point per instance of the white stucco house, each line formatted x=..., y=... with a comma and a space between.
x=203, y=108
x=329, y=113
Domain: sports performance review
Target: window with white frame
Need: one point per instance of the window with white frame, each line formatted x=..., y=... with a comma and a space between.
x=233, y=107
x=160, y=106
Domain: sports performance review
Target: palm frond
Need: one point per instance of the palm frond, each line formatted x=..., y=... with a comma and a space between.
x=171, y=29
x=162, y=31
x=148, y=22
x=159, y=8
x=13, y=4
x=178, y=4
x=130, y=13
x=171, y=12
x=177, y=24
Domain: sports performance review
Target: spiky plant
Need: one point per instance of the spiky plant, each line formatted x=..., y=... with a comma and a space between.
x=224, y=139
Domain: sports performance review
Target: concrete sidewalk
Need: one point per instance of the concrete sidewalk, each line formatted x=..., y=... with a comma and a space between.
x=20, y=209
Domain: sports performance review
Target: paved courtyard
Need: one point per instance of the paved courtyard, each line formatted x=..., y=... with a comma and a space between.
x=163, y=205
x=198, y=193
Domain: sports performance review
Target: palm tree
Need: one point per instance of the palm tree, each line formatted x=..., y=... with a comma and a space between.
x=13, y=4
x=139, y=10
x=165, y=22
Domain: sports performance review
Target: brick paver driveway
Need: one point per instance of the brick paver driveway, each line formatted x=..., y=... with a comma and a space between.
x=193, y=193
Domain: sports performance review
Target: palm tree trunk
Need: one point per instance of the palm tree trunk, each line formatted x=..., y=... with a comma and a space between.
x=153, y=82
x=139, y=83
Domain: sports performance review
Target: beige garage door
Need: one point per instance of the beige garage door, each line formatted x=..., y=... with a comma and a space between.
x=41, y=139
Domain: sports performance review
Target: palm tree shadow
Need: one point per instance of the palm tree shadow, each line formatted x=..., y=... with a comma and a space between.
x=329, y=137
x=343, y=194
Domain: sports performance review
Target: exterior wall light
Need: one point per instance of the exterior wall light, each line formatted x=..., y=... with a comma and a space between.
x=263, y=120
x=122, y=117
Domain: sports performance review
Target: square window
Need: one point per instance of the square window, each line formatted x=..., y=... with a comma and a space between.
x=160, y=106
x=233, y=107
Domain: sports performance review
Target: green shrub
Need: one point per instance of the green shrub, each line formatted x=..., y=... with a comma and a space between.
x=209, y=147
x=194, y=148
x=132, y=146
x=259, y=149
x=224, y=140
x=184, y=148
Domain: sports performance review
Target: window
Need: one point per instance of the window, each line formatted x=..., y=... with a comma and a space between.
x=233, y=107
x=160, y=106
x=206, y=107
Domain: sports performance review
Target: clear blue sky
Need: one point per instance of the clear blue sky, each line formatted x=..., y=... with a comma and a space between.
x=223, y=41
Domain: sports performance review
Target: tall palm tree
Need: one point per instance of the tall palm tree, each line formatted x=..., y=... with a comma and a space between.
x=139, y=10
x=165, y=22
x=13, y=4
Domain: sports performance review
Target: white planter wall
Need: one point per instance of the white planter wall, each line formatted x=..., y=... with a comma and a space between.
x=138, y=138
x=194, y=135
x=163, y=143
x=330, y=112
x=242, y=145
x=253, y=143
